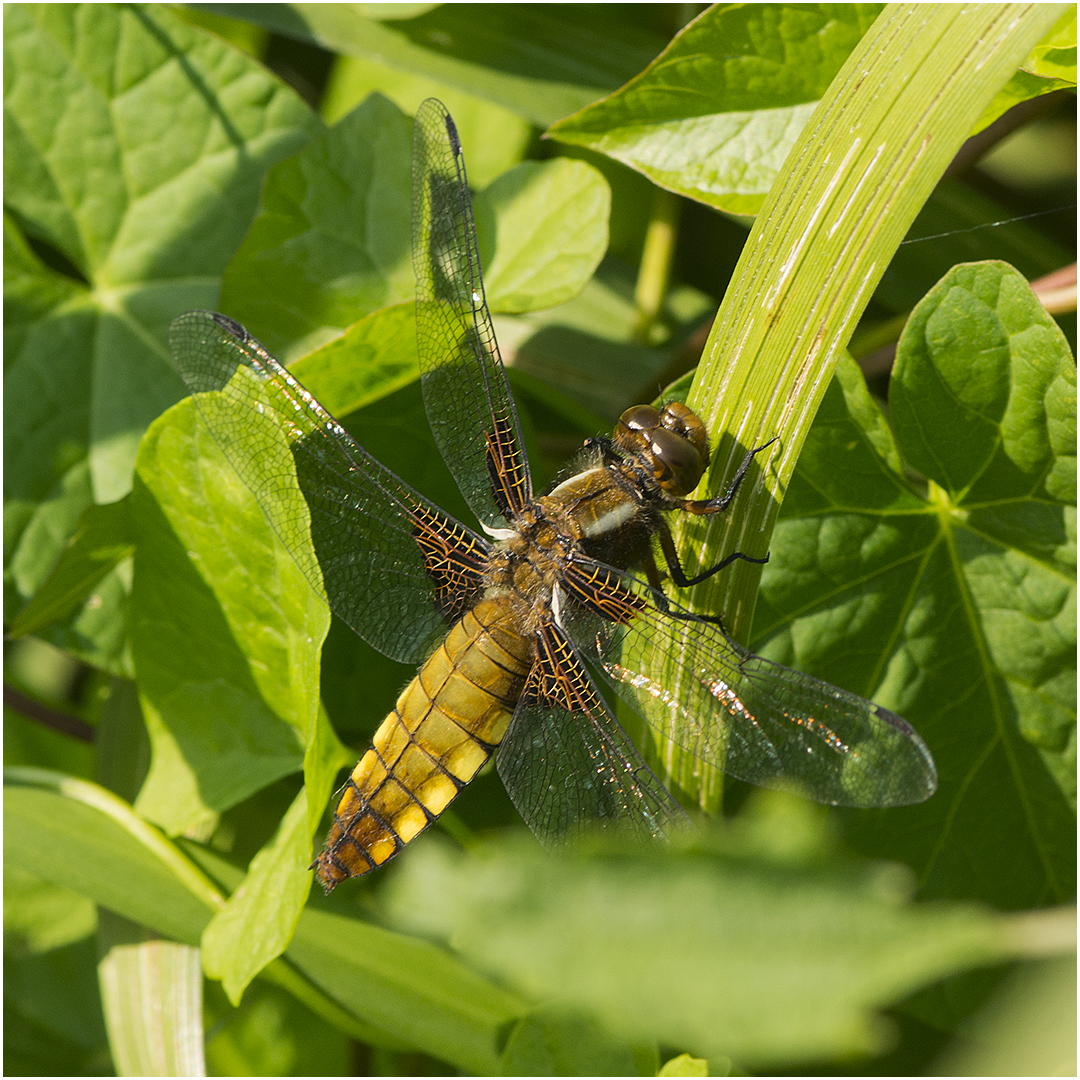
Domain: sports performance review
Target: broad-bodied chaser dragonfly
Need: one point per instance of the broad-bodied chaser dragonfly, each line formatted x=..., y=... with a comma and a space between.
x=506, y=626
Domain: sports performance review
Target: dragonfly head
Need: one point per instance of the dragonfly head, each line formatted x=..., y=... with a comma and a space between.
x=671, y=442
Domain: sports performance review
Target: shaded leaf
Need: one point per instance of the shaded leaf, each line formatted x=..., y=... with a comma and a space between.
x=541, y=62
x=102, y=540
x=552, y=1042
x=408, y=987
x=122, y=862
x=726, y=952
x=331, y=239
x=40, y=916
x=352, y=78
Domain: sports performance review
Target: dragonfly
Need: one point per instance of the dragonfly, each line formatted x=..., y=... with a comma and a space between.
x=521, y=629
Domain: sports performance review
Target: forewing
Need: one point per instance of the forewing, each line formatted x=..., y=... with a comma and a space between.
x=755, y=719
x=565, y=762
x=394, y=567
x=466, y=394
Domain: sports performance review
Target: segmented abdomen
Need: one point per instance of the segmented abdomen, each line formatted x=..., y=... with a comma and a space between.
x=445, y=725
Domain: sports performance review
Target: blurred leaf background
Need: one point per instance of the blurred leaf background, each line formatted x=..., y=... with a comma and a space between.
x=164, y=685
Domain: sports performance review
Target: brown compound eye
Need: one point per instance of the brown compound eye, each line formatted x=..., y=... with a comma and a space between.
x=682, y=421
x=676, y=462
x=635, y=427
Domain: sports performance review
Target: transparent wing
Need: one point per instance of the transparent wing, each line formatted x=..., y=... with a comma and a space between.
x=394, y=567
x=466, y=394
x=755, y=719
x=565, y=762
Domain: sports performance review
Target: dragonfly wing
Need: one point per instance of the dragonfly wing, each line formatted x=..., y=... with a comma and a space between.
x=466, y=394
x=394, y=567
x=565, y=762
x=755, y=719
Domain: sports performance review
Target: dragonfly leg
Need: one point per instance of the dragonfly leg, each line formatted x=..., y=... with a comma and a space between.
x=719, y=503
x=678, y=575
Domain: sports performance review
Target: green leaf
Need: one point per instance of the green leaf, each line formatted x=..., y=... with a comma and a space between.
x=40, y=916
x=226, y=629
x=552, y=1042
x=408, y=987
x=272, y=1034
x=1055, y=56
x=258, y=921
x=352, y=78
x=135, y=148
x=52, y=1014
x=373, y=358
x=1027, y=1029
x=102, y=540
x=1051, y=66
x=685, y=1065
x=151, y=993
x=117, y=859
x=541, y=62
x=715, y=115
x=552, y=233
x=951, y=604
x=331, y=241
x=727, y=950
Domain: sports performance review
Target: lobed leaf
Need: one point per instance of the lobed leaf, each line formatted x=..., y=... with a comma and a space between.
x=952, y=604
x=135, y=148
x=331, y=240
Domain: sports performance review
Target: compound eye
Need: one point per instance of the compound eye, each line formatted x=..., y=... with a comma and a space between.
x=676, y=417
x=677, y=465
x=634, y=428
x=640, y=418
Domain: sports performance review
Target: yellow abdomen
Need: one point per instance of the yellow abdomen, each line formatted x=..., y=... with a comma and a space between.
x=445, y=725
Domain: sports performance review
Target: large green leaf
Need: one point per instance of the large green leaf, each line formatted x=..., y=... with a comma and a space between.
x=952, y=601
x=381, y=986
x=540, y=61
x=716, y=114
x=331, y=240
x=226, y=638
x=135, y=146
x=760, y=943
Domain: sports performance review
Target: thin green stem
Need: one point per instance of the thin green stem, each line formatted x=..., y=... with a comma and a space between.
x=654, y=273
